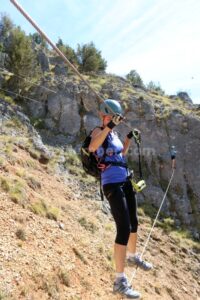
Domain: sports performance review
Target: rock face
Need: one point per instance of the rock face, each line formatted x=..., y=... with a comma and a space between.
x=184, y=96
x=43, y=60
x=73, y=111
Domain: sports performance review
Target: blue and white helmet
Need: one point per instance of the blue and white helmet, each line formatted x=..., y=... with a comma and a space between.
x=114, y=105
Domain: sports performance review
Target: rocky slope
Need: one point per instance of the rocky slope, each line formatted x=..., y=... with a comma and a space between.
x=66, y=115
x=56, y=243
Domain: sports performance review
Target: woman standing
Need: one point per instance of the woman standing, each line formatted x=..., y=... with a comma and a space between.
x=119, y=192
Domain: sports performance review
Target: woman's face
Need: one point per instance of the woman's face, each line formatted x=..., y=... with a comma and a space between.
x=106, y=119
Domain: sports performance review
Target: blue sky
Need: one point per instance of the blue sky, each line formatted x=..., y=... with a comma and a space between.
x=158, y=39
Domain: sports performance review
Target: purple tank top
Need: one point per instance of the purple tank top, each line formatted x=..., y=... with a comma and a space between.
x=113, y=174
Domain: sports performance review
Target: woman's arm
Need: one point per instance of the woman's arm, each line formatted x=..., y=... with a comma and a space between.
x=127, y=143
x=98, y=137
x=137, y=136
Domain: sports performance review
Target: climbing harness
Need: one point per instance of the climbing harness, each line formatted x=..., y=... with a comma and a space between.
x=173, y=159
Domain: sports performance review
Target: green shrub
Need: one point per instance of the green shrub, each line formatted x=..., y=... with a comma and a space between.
x=87, y=225
x=20, y=234
x=17, y=192
x=42, y=209
x=5, y=184
x=167, y=224
x=15, y=188
x=52, y=213
x=71, y=158
x=39, y=208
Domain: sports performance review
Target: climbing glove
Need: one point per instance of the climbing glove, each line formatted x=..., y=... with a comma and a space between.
x=116, y=120
x=136, y=134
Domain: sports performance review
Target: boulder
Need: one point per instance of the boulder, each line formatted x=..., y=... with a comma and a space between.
x=43, y=60
x=184, y=96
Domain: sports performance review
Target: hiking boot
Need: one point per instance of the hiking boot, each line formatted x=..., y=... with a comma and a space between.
x=122, y=287
x=137, y=261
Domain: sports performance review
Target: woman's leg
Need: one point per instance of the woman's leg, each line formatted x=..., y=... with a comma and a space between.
x=132, y=242
x=118, y=204
x=119, y=256
x=132, y=208
x=119, y=209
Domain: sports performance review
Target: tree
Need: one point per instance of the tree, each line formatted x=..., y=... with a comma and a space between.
x=39, y=40
x=89, y=58
x=155, y=87
x=6, y=25
x=134, y=78
x=22, y=59
x=67, y=51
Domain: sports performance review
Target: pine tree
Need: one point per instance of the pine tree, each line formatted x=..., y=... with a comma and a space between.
x=90, y=59
x=39, y=40
x=134, y=78
x=67, y=51
x=155, y=87
x=6, y=25
x=22, y=60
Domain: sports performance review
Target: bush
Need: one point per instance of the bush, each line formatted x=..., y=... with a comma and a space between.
x=87, y=225
x=52, y=213
x=20, y=234
x=42, y=209
x=39, y=208
x=134, y=78
x=90, y=59
x=22, y=60
x=155, y=87
x=167, y=224
x=67, y=51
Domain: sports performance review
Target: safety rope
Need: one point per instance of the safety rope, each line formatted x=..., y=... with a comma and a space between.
x=54, y=46
x=148, y=238
x=33, y=23
x=2, y=70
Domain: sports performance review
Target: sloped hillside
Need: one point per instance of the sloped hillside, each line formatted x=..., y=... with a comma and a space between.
x=56, y=243
x=64, y=117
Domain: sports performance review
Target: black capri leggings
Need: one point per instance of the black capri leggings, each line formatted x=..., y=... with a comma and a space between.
x=123, y=206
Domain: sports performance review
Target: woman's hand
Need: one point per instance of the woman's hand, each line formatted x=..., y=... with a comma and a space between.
x=116, y=120
x=136, y=134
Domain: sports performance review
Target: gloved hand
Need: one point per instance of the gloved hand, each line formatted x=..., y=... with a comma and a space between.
x=136, y=134
x=116, y=120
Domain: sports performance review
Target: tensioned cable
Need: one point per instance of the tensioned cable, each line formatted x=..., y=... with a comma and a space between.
x=148, y=238
x=23, y=77
x=16, y=94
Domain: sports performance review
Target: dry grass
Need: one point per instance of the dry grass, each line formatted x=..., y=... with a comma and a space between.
x=16, y=188
x=41, y=208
